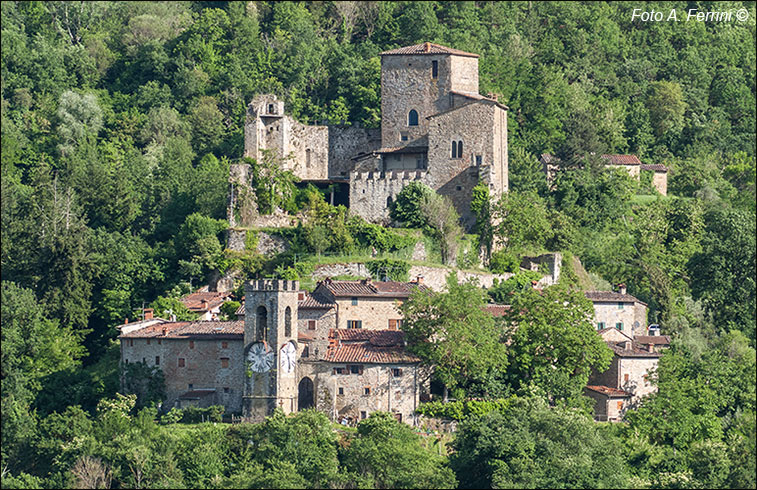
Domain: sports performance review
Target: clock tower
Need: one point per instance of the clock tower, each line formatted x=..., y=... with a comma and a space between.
x=270, y=347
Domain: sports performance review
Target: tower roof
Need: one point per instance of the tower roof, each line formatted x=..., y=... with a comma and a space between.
x=427, y=48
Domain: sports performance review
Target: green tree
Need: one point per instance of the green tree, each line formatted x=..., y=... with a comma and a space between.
x=443, y=223
x=406, y=209
x=522, y=222
x=453, y=332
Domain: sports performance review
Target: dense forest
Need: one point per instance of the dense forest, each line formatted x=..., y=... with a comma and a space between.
x=120, y=121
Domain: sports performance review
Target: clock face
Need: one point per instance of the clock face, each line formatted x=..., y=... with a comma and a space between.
x=260, y=358
x=288, y=357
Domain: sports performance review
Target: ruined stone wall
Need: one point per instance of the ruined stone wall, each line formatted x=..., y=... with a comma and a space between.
x=407, y=83
x=610, y=314
x=388, y=393
x=370, y=192
x=375, y=313
x=346, y=142
x=202, y=367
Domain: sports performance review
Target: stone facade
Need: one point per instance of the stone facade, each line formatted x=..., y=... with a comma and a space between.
x=619, y=310
x=429, y=100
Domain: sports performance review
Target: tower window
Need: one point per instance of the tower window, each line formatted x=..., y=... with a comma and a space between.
x=270, y=109
x=288, y=322
x=459, y=149
x=434, y=69
x=454, y=149
x=262, y=323
x=412, y=118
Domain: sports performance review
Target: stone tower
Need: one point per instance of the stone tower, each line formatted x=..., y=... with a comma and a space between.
x=270, y=348
x=421, y=78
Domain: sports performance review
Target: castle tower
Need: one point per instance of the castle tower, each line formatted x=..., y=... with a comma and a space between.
x=421, y=78
x=270, y=348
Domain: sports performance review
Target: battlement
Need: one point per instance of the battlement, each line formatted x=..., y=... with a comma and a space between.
x=272, y=285
x=390, y=175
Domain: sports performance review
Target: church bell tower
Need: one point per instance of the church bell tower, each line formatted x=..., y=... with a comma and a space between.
x=270, y=347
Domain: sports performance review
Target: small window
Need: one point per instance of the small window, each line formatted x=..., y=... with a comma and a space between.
x=144, y=360
x=459, y=149
x=191, y=344
x=363, y=414
x=620, y=306
x=620, y=405
x=306, y=351
x=311, y=324
x=181, y=362
x=479, y=160
x=126, y=361
x=396, y=372
x=454, y=149
x=131, y=342
x=356, y=369
x=389, y=202
x=148, y=341
x=341, y=390
x=403, y=136
x=270, y=109
x=600, y=325
x=339, y=370
x=160, y=342
x=224, y=345
x=434, y=69
x=619, y=325
x=458, y=187
x=392, y=324
x=354, y=301
x=190, y=386
x=625, y=378
x=226, y=390
x=412, y=118
x=300, y=296
x=354, y=324
x=367, y=390
x=224, y=362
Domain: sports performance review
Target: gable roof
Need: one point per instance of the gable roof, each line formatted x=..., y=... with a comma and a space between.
x=611, y=297
x=368, y=346
x=201, y=301
x=315, y=302
x=621, y=159
x=427, y=48
x=611, y=334
x=635, y=351
x=653, y=339
x=371, y=289
x=190, y=330
x=657, y=167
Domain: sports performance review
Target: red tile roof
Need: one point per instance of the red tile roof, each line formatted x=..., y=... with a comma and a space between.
x=374, y=289
x=606, y=390
x=657, y=167
x=621, y=159
x=497, y=310
x=190, y=330
x=636, y=350
x=653, y=339
x=368, y=346
x=315, y=302
x=427, y=48
x=611, y=296
x=194, y=301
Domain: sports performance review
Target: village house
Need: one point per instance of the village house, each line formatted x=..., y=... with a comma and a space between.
x=630, y=163
x=619, y=310
x=338, y=350
x=207, y=304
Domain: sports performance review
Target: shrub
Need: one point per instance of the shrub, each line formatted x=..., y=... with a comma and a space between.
x=463, y=409
x=501, y=292
x=395, y=270
x=407, y=208
x=503, y=261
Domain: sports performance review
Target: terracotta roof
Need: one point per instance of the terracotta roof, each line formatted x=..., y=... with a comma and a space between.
x=653, y=339
x=427, y=48
x=304, y=336
x=657, y=167
x=635, y=351
x=368, y=346
x=606, y=390
x=611, y=296
x=190, y=330
x=621, y=159
x=316, y=302
x=194, y=301
x=196, y=394
x=497, y=310
x=240, y=310
x=374, y=289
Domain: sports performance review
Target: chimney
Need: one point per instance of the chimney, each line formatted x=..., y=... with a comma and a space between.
x=126, y=321
x=427, y=47
x=650, y=347
x=165, y=331
x=173, y=318
x=149, y=313
x=204, y=304
x=627, y=345
x=419, y=279
x=622, y=288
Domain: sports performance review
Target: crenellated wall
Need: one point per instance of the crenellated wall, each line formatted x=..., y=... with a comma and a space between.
x=370, y=192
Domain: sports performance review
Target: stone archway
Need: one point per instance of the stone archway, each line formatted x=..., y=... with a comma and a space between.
x=305, y=394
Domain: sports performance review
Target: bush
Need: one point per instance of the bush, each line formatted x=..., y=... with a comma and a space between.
x=502, y=262
x=463, y=409
x=193, y=415
x=383, y=239
x=407, y=208
x=395, y=270
x=501, y=292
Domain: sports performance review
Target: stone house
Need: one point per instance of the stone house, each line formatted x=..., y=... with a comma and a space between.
x=630, y=163
x=205, y=303
x=435, y=128
x=290, y=349
x=619, y=310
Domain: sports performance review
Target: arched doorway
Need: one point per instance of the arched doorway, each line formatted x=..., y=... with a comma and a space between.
x=305, y=394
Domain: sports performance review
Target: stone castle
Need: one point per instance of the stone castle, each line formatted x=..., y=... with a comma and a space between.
x=435, y=128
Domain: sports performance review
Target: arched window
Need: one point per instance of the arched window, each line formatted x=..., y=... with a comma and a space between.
x=454, y=149
x=288, y=322
x=459, y=149
x=261, y=325
x=412, y=118
x=389, y=201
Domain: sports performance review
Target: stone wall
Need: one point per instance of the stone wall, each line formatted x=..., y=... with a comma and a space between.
x=370, y=192
x=660, y=182
x=637, y=369
x=202, y=367
x=610, y=314
x=271, y=244
x=235, y=239
x=355, y=269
